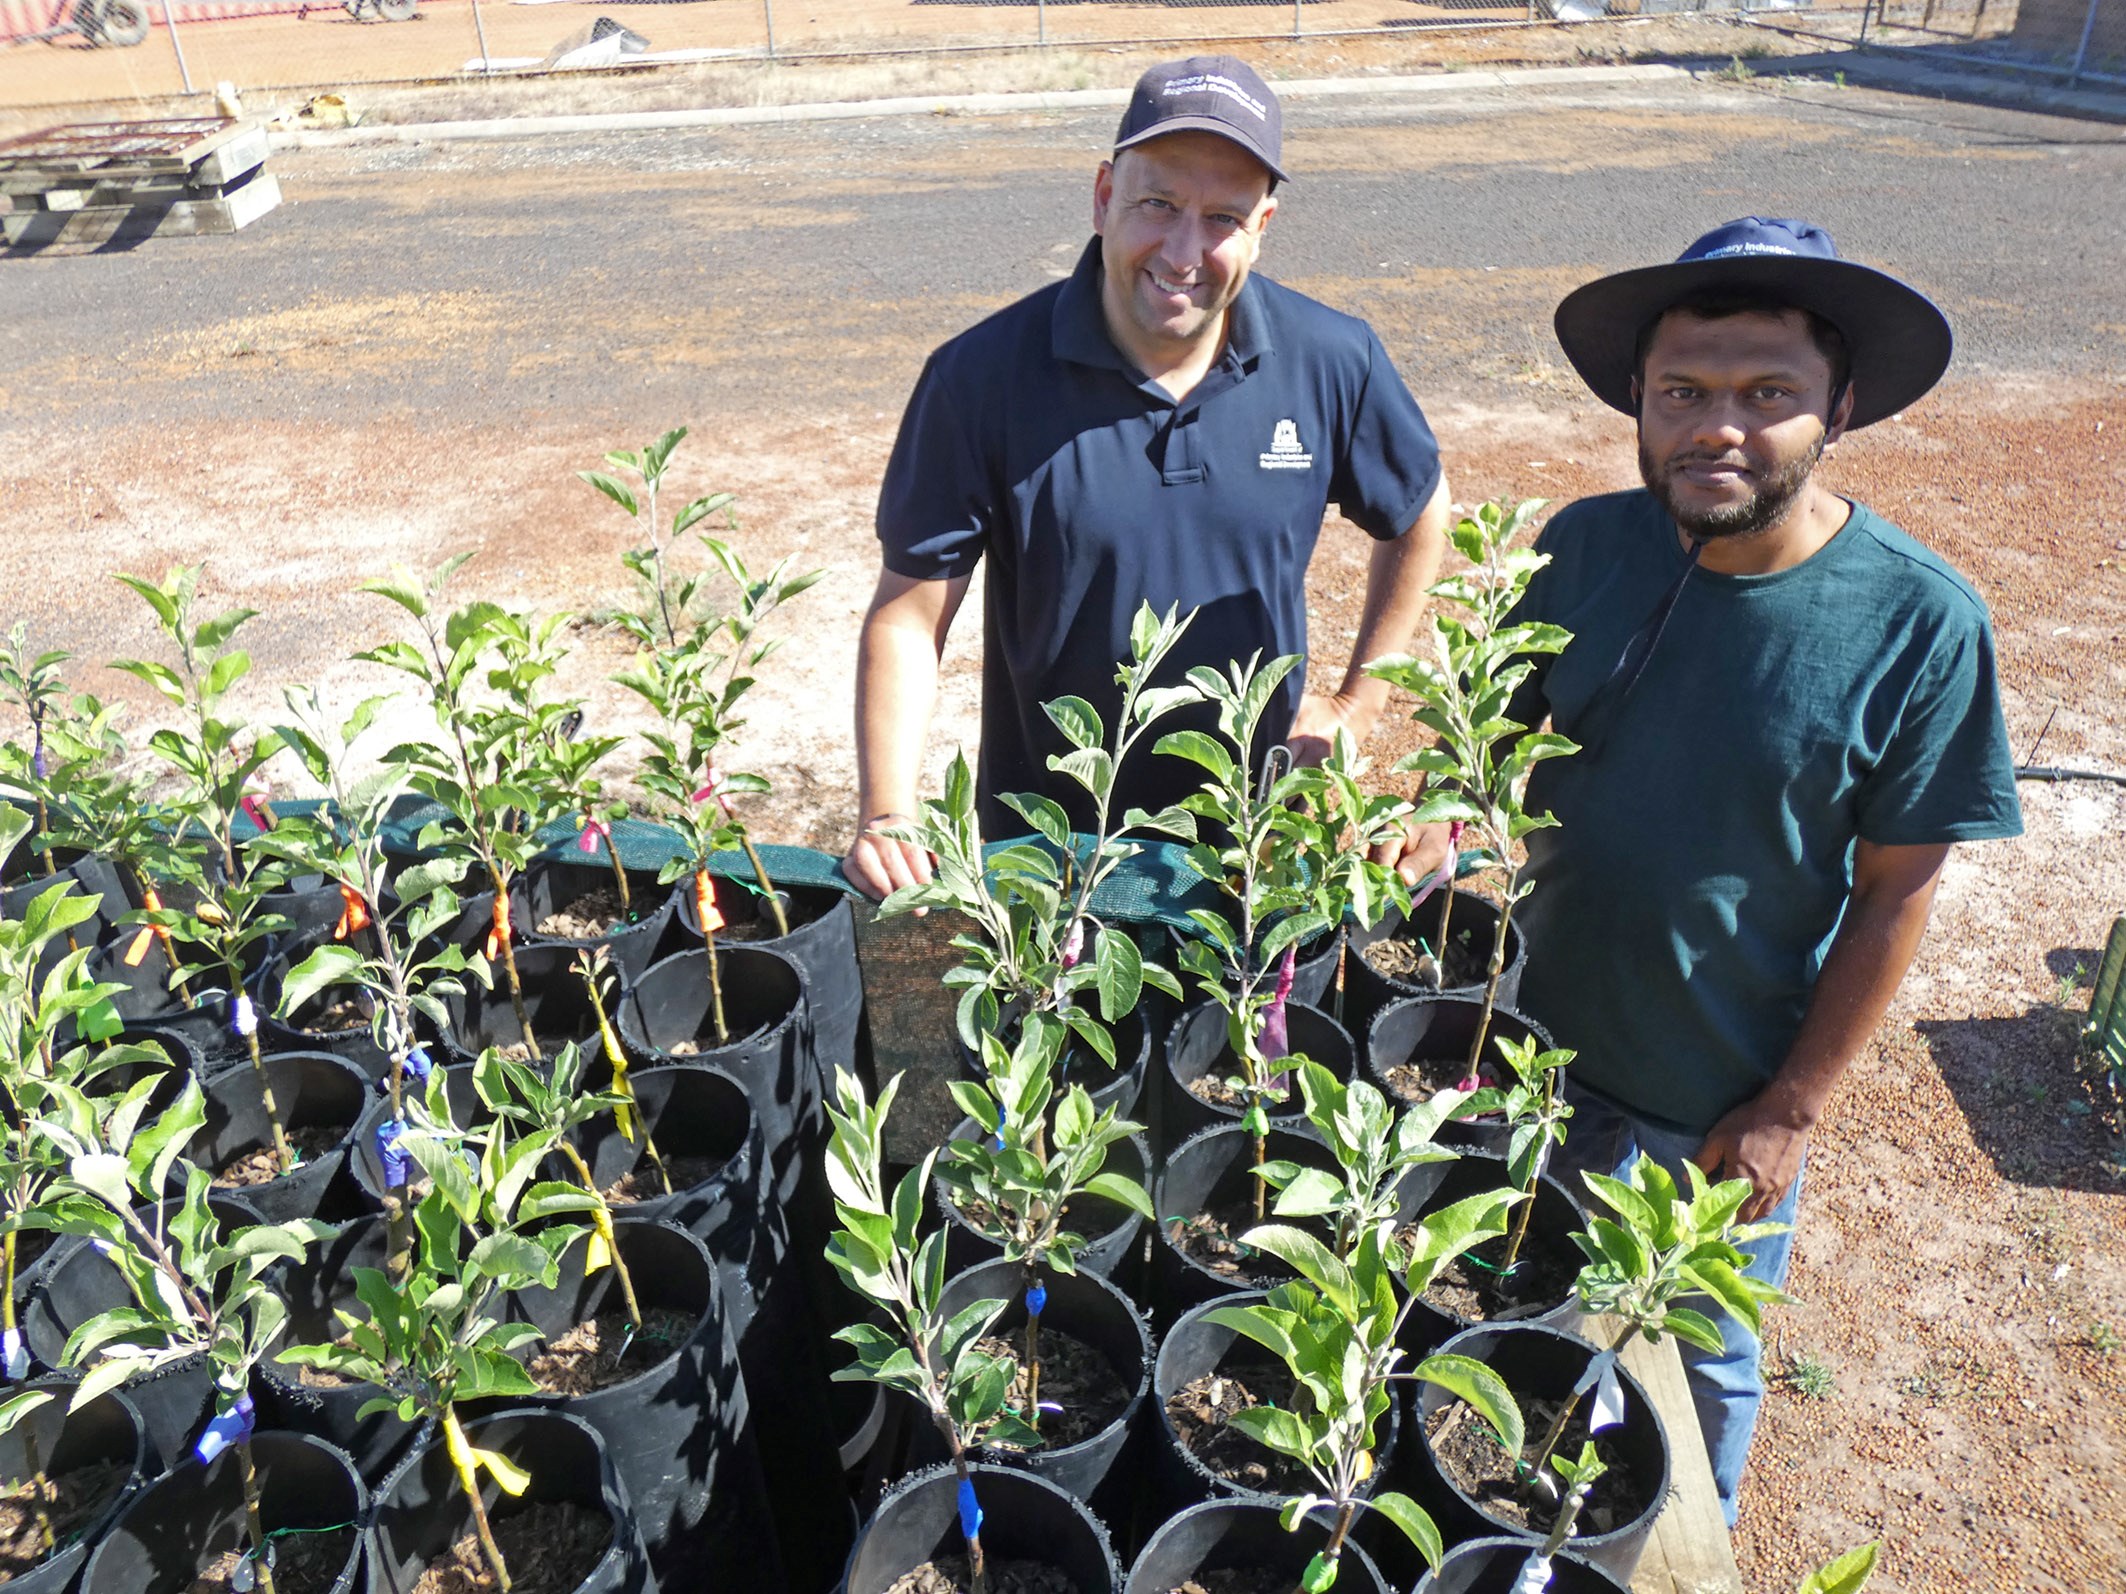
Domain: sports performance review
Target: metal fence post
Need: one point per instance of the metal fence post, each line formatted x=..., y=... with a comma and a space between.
x=169, y=19
x=1040, y=23
x=767, y=8
x=479, y=29
x=2081, y=54
x=1297, y=29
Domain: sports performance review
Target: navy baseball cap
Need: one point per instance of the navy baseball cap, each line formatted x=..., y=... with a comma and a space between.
x=1898, y=341
x=1206, y=94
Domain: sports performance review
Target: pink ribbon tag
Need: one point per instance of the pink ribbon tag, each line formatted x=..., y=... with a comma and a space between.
x=593, y=829
x=1446, y=872
x=716, y=789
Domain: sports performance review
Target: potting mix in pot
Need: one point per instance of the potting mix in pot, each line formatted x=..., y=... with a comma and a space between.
x=394, y=997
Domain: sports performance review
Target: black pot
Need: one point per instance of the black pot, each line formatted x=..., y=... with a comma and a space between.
x=206, y=1023
x=367, y=1168
x=555, y=1000
x=690, y=1111
x=420, y=1512
x=312, y=905
x=679, y=1435
x=1093, y=1312
x=79, y=873
x=1120, y=1087
x=1194, y=1347
x=550, y=881
x=1492, y=1566
x=769, y=1054
x=1206, y=1171
x=1199, y=1045
x=1542, y=1363
x=1024, y=1518
x=309, y=1088
x=179, y=1524
x=821, y=942
x=316, y=1288
x=55, y=1441
x=1555, y=1219
x=113, y=1082
x=294, y=1034
x=1367, y=991
x=1111, y=1231
x=1222, y=1535
x=77, y=1283
x=1439, y=1029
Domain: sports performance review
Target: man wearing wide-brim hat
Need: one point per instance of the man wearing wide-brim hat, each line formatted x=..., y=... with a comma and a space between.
x=1787, y=713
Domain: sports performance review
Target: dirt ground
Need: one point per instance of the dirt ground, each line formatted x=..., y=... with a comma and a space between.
x=1954, y=1379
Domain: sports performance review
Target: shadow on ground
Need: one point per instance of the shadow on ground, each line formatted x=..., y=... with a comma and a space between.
x=2031, y=1107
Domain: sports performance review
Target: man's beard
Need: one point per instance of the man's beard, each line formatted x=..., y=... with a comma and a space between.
x=1765, y=508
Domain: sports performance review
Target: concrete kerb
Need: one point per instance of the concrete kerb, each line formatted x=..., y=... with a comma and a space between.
x=939, y=105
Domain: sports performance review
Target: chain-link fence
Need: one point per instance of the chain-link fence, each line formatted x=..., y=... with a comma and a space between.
x=75, y=52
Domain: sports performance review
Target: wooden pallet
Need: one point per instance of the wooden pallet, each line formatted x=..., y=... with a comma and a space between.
x=99, y=184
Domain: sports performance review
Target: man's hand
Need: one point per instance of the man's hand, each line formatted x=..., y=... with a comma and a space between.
x=1421, y=852
x=878, y=865
x=1761, y=1141
x=1320, y=717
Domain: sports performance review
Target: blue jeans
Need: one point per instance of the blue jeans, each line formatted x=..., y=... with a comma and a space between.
x=1726, y=1388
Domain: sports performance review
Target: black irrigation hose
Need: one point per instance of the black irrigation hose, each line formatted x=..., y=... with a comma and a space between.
x=2051, y=773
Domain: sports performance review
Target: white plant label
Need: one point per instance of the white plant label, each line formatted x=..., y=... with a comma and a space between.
x=1534, y=1578
x=246, y=1016
x=18, y=1355
x=1608, y=1400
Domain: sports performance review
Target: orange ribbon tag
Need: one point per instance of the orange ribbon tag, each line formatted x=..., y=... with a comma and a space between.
x=354, y=914
x=498, y=937
x=141, y=942
x=705, y=901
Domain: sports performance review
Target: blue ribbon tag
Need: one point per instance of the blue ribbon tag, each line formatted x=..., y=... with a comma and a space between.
x=997, y=1144
x=225, y=1430
x=1036, y=1299
x=970, y=1511
x=419, y=1064
x=17, y=1353
x=398, y=1164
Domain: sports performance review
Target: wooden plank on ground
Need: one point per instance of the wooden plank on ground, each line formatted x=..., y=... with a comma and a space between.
x=101, y=226
x=1689, y=1551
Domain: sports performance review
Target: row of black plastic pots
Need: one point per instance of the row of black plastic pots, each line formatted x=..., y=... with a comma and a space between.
x=328, y=1531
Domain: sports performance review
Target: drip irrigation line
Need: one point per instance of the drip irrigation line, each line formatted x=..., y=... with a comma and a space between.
x=2049, y=772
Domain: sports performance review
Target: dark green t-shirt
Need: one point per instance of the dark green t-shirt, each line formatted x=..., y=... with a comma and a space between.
x=1703, y=855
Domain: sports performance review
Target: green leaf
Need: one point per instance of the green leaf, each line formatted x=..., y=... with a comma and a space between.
x=104, y=1175
x=327, y=966
x=1483, y=1389
x=1120, y=974
x=1281, y=1430
x=1122, y=1190
x=1077, y=720
x=1844, y=1575
x=1693, y=1328
x=1411, y=1517
x=1199, y=748
x=16, y=1407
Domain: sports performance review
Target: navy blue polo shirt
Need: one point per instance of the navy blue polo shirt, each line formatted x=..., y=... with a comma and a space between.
x=1033, y=443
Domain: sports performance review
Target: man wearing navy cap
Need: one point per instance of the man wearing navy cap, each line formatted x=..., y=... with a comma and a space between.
x=1164, y=427
x=1787, y=715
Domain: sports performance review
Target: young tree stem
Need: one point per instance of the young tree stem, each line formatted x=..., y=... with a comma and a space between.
x=612, y=852
x=767, y=886
x=469, y=1481
x=281, y=1158
x=252, y=1518
x=1446, y=907
x=723, y=1033
x=602, y=1222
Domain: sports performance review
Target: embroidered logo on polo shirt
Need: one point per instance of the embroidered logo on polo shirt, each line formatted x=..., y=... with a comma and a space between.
x=1285, y=452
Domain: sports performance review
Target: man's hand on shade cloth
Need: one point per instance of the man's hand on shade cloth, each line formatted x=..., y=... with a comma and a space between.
x=1319, y=718
x=878, y=865
x=1761, y=1141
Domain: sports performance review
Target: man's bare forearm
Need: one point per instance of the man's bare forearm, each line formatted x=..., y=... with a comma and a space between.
x=1874, y=947
x=1396, y=581
x=897, y=664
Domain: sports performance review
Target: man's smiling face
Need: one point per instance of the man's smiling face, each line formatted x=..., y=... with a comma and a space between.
x=1180, y=220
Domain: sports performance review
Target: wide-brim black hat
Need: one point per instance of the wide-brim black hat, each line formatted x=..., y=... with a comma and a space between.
x=1898, y=341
